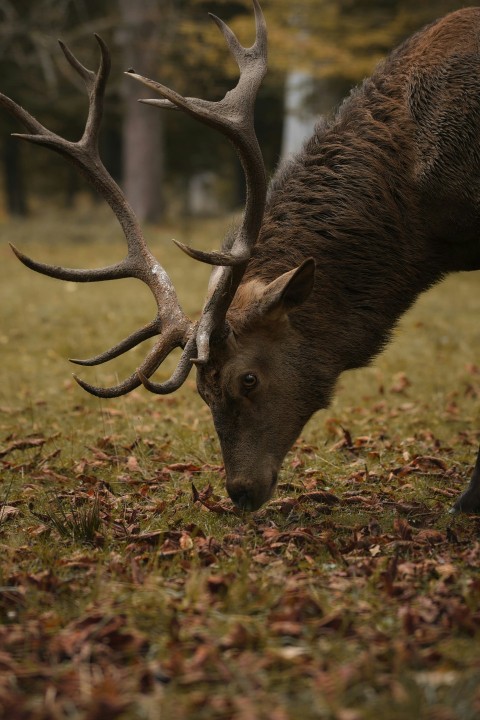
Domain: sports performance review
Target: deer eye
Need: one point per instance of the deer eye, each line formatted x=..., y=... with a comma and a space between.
x=249, y=381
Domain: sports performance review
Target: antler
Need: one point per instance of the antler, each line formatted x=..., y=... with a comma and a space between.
x=174, y=328
x=233, y=116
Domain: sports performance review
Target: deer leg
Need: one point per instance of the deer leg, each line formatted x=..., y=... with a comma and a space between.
x=469, y=501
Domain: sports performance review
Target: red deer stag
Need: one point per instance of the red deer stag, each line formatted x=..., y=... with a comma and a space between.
x=382, y=202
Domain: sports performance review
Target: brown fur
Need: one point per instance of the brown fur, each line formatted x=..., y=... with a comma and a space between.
x=386, y=198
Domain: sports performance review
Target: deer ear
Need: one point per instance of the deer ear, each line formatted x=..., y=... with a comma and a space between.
x=290, y=289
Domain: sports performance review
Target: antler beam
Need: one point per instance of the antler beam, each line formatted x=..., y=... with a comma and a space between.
x=170, y=322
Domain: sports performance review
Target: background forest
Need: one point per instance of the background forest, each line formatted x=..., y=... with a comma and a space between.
x=329, y=44
x=130, y=586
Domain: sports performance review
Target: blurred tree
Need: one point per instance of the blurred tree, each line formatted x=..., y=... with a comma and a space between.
x=142, y=137
x=344, y=38
x=33, y=71
x=337, y=42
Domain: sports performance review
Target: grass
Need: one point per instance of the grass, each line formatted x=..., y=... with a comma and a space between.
x=80, y=523
x=130, y=588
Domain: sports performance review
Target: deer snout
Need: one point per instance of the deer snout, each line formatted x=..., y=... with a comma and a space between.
x=248, y=496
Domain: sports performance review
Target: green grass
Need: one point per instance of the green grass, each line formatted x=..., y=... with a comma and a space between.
x=124, y=593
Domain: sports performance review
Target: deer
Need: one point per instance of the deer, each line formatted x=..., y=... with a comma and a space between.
x=381, y=203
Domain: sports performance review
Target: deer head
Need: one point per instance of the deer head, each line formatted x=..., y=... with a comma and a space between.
x=254, y=384
x=244, y=333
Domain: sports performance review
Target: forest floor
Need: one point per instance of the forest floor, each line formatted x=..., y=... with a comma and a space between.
x=130, y=586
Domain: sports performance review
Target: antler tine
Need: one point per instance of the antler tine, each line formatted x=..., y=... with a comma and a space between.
x=151, y=363
x=95, y=84
x=87, y=75
x=170, y=322
x=112, y=272
x=233, y=116
x=179, y=375
x=238, y=51
x=128, y=343
x=212, y=258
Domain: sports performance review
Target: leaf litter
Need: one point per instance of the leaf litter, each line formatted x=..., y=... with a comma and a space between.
x=352, y=595
x=268, y=594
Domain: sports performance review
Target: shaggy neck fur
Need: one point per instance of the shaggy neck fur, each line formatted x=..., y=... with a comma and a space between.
x=357, y=200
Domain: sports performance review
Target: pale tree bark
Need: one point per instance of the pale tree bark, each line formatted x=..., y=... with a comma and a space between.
x=306, y=100
x=142, y=136
x=299, y=120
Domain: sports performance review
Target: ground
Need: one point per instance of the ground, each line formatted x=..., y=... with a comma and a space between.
x=131, y=588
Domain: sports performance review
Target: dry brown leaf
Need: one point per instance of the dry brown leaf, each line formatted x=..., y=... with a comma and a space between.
x=8, y=511
x=24, y=444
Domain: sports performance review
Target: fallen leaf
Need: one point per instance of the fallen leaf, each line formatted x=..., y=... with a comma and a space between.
x=7, y=511
x=25, y=444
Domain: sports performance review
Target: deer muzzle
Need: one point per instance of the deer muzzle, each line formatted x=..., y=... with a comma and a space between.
x=249, y=493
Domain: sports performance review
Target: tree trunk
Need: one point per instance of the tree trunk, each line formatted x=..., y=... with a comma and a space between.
x=142, y=137
x=306, y=100
x=298, y=120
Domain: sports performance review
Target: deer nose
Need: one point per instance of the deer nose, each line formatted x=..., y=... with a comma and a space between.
x=249, y=496
x=242, y=498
